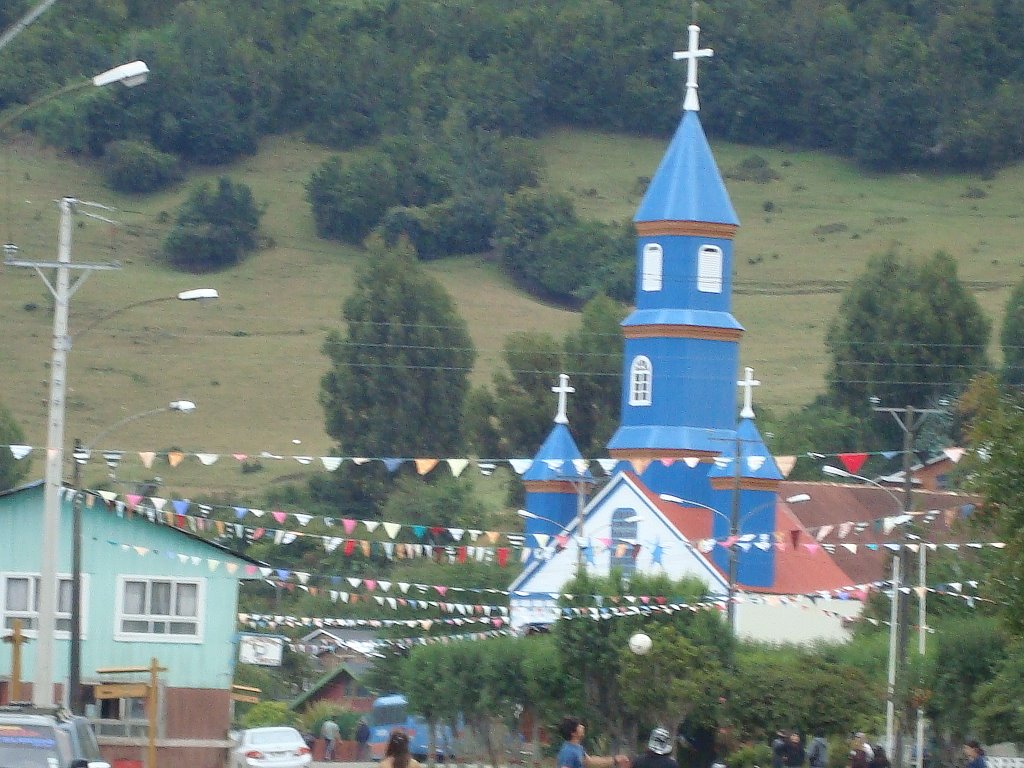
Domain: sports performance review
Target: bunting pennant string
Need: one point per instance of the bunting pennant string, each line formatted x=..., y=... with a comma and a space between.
x=368, y=589
x=434, y=536
x=425, y=465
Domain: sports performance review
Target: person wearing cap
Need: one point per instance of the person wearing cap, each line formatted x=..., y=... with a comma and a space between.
x=572, y=754
x=659, y=751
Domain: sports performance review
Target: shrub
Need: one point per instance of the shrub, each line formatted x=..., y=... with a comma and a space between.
x=350, y=199
x=462, y=224
x=269, y=713
x=214, y=229
x=750, y=756
x=753, y=168
x=315, y=714
x=135, y=166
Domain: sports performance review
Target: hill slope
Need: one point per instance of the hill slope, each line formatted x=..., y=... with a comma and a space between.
x=252, y=361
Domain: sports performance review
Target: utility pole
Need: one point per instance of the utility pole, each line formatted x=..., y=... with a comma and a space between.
x=910, y=421
x=62, y=290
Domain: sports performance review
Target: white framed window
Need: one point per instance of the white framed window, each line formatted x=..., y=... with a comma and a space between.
x=709, y=269
x=640, y=381
x=19, y=599
x=159, y=609
x=651, y=267
x=623, y=532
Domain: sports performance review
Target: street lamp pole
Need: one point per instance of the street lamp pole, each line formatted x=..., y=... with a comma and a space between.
x=62, y=289
x=735, y=523
x=892, y=742
x=80, y=455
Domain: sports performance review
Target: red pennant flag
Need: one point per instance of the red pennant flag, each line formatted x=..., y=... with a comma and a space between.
x=257, y=534
x=794, y=537
x=349, y=548
x=853, y=461
x=460, y=554
x=502, y=556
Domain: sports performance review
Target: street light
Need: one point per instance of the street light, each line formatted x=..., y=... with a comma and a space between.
x=81, y=456
x=897, y=576
x=62, y=290
x=735, y=525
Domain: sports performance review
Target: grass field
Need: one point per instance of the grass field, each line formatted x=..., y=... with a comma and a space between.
x=252, y=359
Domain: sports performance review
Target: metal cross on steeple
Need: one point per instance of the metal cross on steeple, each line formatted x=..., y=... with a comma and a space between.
x=694, y=52
x=562, y=389
x=748, y=382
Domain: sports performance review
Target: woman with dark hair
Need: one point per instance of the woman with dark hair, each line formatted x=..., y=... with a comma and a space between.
x=396, y=753
x=880, y=759
x=975, y=754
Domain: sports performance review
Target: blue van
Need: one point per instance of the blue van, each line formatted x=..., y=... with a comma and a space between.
x=391, y=713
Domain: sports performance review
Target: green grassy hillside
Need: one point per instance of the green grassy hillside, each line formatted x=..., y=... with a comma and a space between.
x=252, y=361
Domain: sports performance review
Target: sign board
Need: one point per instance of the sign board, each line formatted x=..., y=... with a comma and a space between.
x=121, y=691
x=265, y=650
x=245, y=699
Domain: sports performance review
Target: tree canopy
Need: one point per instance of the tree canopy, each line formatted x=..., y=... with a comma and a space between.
x=12, y=471
x=907, y=333
x=399, y=373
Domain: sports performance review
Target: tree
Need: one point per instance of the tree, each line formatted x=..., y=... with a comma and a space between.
x=12, y=471
x=400, y=374
x=516, y=416
x=685, y=682
x=996, y=432
x=214, y=229
x=593, y=356
x=1012, y=338
x=906, y=333
x=349, y=199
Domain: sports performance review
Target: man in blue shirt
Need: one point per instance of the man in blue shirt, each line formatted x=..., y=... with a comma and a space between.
x=572, y=755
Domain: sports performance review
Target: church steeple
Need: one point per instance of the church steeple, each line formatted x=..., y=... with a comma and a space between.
x=681, y=342
x=558, y=475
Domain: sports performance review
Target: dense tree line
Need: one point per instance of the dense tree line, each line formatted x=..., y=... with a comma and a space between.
x=892, y=83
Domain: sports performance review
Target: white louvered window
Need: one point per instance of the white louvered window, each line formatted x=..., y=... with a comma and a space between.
x=163, y=609
x=709, y=269
x=640, y=381
x=651, y=267
x=19, y=600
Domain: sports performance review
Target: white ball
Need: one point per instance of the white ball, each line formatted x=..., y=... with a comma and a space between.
x=640, y=643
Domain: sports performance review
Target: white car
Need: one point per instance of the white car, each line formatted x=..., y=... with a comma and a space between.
x=275, y=747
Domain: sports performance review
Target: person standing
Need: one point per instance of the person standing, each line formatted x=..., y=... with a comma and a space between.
x=879, y=759
x=572, y=754
x=659, y=751
x=793, y=754
x=330, y=733
x=362, y=740
x=779, y=749
x=396, y=753
x=817, y=753
x=975, y=755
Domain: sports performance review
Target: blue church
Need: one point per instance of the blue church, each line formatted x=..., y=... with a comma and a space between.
x=685, y=469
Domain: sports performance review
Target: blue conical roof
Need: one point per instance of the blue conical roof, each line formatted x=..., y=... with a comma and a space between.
x=554, y=460
x=756, y=460
x=687, y=185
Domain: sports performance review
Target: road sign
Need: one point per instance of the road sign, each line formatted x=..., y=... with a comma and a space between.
x=121, y=691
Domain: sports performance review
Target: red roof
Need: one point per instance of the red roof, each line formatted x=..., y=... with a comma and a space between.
x=803, y=570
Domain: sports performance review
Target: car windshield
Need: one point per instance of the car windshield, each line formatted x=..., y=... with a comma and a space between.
x=275, y=736
x=28, y=746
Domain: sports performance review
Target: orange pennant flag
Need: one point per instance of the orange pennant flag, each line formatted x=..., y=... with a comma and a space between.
x=640, y=465
x=174, y=458
x=423, y=466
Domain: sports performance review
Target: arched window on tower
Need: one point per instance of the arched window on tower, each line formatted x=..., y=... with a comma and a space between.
x=650, y=268
x=641, y=377
x=623, y=536
x=709, y=269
